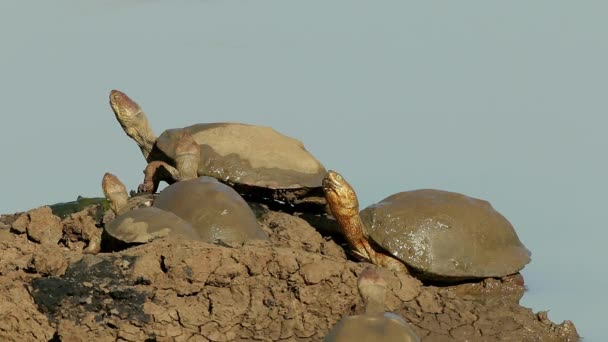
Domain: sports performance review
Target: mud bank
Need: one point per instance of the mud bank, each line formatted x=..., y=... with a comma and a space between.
x=293, y=288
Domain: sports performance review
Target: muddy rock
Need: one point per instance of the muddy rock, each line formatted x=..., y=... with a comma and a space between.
x=40, y=225
x=295, y=287
x=293, y=232
x=20, y=319
x=81, y=231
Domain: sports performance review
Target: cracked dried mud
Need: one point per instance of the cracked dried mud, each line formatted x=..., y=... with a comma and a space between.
x=294, y=287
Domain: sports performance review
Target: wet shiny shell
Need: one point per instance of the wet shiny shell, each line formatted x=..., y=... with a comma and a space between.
x=446, y=235
x=387, y=328
x=146, y=224
x=215, y=210
x=246, y=154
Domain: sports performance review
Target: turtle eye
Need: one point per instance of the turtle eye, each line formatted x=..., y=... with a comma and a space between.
x=338, y=177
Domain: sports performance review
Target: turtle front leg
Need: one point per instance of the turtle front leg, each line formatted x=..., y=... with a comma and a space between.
x=363, y=248
x=389, y=262
x=155, y=172
x=187, y=158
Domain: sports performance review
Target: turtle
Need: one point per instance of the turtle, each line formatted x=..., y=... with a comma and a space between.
x=258, y=161
x=141, y=225
x=375, y=324
x=215, y=210
x=434, y=234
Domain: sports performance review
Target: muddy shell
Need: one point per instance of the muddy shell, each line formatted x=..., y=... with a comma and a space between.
x=146, y=224
x=386, y=327
x=445, y=235
x=216, y=211
x=255, y=156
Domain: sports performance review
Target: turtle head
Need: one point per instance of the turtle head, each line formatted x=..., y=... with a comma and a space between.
x=372, y=288
x=122, y=105
x=133, y=121
x=187, y=157
x=340, y=196
x=115, y=192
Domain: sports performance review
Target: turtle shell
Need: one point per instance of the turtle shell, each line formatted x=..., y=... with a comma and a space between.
x=445, y=235
x=216, y=211
x=246, y=154
x=386, y=327
x=146, y=224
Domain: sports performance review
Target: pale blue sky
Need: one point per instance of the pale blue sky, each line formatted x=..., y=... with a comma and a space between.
x=504, y=101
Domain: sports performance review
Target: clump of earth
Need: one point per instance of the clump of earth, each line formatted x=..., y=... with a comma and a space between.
x=294, y=287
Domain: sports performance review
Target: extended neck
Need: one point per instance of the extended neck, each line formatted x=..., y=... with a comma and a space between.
x=373, y=296
x=118, y=203
x=374, y=307
x=137, y=127
x=354, y=232
x=144, y=137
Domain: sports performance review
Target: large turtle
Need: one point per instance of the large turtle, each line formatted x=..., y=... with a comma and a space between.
x=375, y=324
x=438, y=235
x=257, y=161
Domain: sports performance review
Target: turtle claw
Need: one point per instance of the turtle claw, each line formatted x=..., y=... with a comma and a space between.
x=155, y=172
x=144, y=188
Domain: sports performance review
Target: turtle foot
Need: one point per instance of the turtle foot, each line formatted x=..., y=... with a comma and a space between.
x=390, y=262
x=145, y=189
x=154, y=173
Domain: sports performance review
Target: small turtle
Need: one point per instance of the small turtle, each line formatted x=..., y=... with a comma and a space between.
x=141, y=225
x=216, y=211
x=257, y=161
x=375, y=324
x=439, y=235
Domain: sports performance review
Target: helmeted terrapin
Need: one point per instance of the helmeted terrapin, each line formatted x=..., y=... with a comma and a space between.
x=375, y=324
x=439, y=235
x=257, y=161
x=141, y=225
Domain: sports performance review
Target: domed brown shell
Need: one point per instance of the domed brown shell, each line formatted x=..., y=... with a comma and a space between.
x=446, y=235
x=146, y=224
x=216, y=211
x=246, y=154
x=386, y=327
